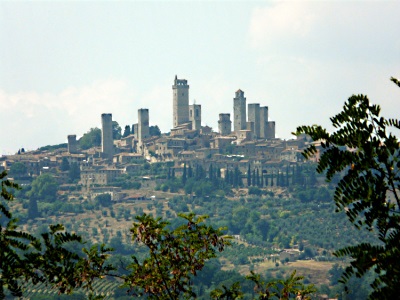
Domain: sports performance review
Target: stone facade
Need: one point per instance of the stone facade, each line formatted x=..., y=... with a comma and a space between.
x=143, y=124
x=72, y=144
x=224, y=124
x=253, y=110
x=271, y=130
x=195, y=116
x=180, y=95
x=263, y=122
x=107, y=144
x=239, y=111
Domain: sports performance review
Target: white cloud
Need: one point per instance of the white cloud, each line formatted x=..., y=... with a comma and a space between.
x=281, y=20
x=73, y=110
x=335, y=30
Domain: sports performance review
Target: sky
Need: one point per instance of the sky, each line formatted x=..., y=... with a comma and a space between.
x=64, y=63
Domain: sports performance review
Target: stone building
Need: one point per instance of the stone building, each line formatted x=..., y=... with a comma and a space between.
x=253, y=111
x=107, y=144
x=195, y=116
x=224, y=124
x=72, y=144
x=180, y=94
x=270, y=130
x=239, y=111
x=263, y=122
x=143, y=124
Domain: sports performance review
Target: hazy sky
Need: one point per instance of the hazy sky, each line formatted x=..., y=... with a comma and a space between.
x=62, y=64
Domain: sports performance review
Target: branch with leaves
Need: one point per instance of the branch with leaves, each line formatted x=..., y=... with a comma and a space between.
x=364, y=149
x=175, y=255
x=24, y=257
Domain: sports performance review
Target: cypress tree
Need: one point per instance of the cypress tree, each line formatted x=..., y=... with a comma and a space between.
x=33, y=211
x=211, y=172
x=287, y=176
x=258, y=178
x=190, y=172
x=227, y=179
x=253, y=179
x=226, y=175
x=248, y=176
x=184, y=174
x=231, y=178
x=262, y=179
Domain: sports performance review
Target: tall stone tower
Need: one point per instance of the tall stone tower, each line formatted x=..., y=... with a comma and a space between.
x=253, y=111
x=271, y=130
x=72, y=145
x=263, y=121
x=239, y=111
x=180, y=94
x=195, y=116
x=107, y=144
x=224, y=124
x=143, y=124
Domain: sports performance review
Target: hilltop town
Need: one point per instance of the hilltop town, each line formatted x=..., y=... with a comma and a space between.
x=259, y=187
x=250, y=145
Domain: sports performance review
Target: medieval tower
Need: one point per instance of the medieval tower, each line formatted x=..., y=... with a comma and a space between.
x=72, y=144
x=224, y=124
x=143, y=124
x=253, y=111
x=107, y=144
x=263, y=122
x=195, y=116
x=239, y=111
x=271, y=130
x=180, y=94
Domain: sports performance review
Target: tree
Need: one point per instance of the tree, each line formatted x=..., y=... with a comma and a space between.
x=90, y=139
x=365, y=150
x=116, y=130
x=127, y=131
x=18, y=169
x=74, y=172
x=289, y=288
x=154, y=131
x=248, y=176
x=64, y=164
x=24, y=257
x=33, y=211
x=44, y=187
x=175, y=255
x=184, y=177
x=104, y=199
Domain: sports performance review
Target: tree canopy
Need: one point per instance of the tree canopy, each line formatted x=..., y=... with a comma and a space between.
x=90, y=139
x=364, y=149
x=24, y=257
x=44, y=188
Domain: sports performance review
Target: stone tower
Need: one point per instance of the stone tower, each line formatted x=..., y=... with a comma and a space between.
x=180, y=94
x=72, y=144
x=107, y=144
x=253, y=111
x=224, y=124
x=143, y=124
x=263, y=121
x=195, y=116
x=271, y=130
x=239, y=111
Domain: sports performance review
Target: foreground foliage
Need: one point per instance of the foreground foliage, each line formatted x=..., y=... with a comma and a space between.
x=24, y=257
x=175, y=255
x=364, y=148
